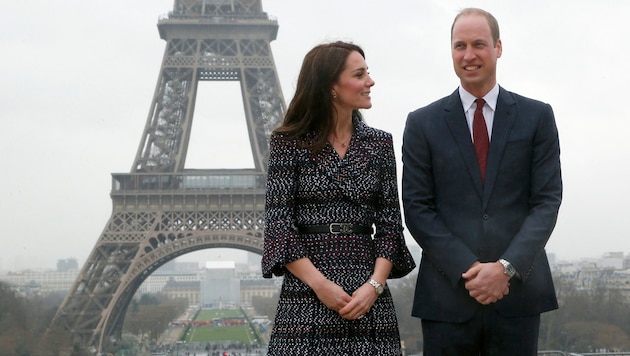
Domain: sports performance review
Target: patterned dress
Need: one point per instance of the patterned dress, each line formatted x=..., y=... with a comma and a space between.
x=313, y=189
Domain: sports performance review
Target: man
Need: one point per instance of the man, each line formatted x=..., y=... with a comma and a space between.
x=481, y=213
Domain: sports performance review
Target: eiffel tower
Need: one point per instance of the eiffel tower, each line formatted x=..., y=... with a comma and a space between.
x=161, y=210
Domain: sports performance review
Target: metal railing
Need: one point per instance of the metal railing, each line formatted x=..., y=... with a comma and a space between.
x=562, y=353
x=122, y=182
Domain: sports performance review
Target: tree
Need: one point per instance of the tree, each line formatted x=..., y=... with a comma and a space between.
x=13, y=313
x=151, y=315
x=595, y=336
x=586, y=320
x=15, y=337
x=54, y=343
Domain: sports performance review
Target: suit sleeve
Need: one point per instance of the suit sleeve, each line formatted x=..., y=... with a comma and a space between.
x=445, y=250
x=545, y=196
x=281, y=240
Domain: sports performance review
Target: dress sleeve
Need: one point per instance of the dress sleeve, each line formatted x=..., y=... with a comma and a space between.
x=389, y=238
x=281, y=240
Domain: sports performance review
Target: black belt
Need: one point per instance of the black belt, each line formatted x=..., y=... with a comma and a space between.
x=335, y=228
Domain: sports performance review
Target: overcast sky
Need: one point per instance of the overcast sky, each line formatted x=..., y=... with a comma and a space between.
x=77, y=78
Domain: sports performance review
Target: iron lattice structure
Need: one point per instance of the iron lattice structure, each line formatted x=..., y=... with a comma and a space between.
x=160, y=210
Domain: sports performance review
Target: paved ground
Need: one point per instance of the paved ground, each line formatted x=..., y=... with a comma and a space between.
x=171, y=336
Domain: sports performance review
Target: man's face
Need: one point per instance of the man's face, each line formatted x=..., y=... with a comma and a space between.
x=474, y=54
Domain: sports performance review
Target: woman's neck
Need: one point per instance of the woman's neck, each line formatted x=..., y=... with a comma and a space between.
x=343, y=125
x=341, y=134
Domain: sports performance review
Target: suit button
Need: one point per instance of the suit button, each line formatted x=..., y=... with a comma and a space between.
x=486, y=216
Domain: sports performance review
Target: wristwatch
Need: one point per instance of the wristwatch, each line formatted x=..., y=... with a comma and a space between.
x=377, y=286
x=508, y=268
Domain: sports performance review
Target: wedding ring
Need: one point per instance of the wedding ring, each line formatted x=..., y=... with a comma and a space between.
x=360, y=316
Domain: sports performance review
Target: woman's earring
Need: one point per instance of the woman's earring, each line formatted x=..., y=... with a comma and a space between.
x=334, y=95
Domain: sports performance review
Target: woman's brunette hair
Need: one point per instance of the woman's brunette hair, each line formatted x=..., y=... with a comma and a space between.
x=311, y=110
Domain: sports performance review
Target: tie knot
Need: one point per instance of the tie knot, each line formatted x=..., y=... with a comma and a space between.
x=480, y=103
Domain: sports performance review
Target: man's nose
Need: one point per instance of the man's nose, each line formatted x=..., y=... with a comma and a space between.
x=469, y=53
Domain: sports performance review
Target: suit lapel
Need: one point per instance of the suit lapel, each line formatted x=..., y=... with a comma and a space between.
x=504, y=118
x=456, y=121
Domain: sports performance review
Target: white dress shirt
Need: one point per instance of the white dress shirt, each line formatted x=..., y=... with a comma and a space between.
x=468, y=102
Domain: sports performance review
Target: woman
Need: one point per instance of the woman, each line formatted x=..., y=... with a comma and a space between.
x=330, y=178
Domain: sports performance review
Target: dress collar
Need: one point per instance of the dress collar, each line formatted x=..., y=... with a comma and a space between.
x=359, y=128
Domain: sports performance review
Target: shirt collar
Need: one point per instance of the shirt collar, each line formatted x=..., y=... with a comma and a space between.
x=490, y=98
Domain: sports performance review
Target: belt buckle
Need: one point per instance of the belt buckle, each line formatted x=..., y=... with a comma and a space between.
x=343, y=228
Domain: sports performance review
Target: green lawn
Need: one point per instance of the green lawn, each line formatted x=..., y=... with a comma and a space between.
x=209, y=314
x=241, y=333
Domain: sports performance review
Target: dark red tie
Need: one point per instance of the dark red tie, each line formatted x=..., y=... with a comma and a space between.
x=480, y=137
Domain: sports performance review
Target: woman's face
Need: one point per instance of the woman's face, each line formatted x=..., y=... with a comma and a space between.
x=352, y=90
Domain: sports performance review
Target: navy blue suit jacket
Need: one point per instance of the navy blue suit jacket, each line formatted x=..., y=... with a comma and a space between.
x=457, y=220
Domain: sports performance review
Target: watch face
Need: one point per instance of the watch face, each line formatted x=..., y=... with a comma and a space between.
x=508, y=268
x=379, y=287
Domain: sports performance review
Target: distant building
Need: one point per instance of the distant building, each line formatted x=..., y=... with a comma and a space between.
x=189, y=290
x=220, y=286
x=613, y=260
x=176, y=271
x=69, y=264
x=41, y=282
x=174, y=267
x=261, y=287
x=609, y=272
